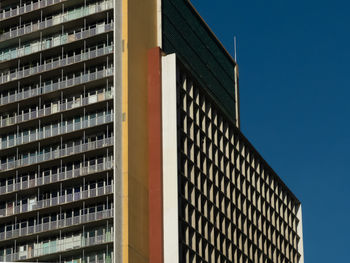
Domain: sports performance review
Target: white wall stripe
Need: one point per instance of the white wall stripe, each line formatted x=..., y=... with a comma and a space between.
x=170, y=169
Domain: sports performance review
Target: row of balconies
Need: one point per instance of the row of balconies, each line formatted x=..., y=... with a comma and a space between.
x=51, y=154
x=53, y=109
x=52, y=216
x=57, y=246
x=91, y=53
x=57, y=177
x=57, y=19
x=54, y=201
x=52, y=86
x=55, y=225
x=48, y=87
x=59, y=190
x=101, y=256
x=26, y=8
x=58, y=194
x=58, y=40
x=60, y=128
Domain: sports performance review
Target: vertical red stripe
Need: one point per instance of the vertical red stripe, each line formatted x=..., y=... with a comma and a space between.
x=155, y=157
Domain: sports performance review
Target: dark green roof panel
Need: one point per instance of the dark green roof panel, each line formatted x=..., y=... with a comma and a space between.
x=185, y=34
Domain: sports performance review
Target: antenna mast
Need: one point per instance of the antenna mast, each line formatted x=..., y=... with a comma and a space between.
x=237, y=117
x=235, y=47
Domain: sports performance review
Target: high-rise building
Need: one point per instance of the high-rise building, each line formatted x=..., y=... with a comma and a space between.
x=120, y=141
x=56, y=129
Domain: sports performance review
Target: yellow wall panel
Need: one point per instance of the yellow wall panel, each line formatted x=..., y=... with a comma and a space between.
x=139, y=34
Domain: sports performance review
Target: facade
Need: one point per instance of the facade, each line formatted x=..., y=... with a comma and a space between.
x=57, y=131
x=120, y=141
x=232, y=207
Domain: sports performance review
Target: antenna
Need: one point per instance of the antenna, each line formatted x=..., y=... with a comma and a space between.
x=235, y=47
x=237, y=117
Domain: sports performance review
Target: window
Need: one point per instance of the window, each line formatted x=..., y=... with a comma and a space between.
x=100, y=257
x=31, y=222
x=11, y=140
x=92, y=162
x=53, y=217
x=76, y=212
x=53, y=245
x=32, y=203
x=25, y=178
x=77, y=123
x=46, y=248
x=69, y=213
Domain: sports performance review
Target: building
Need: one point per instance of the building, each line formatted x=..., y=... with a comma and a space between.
x=120, y=141
x=57, y=131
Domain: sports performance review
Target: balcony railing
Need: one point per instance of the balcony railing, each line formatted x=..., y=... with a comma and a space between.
x=54, y=154
x=53, y=225
x=62, y=18
x=57, y=41
x=58, y=246
x=59, y=200
x=58, y=130
x=50, y=87
x=59, y=107
x=54, y=64
x=53, y=178
x=26, y=8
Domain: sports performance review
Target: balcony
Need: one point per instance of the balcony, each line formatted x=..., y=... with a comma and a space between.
x=55, y=109
x=54, y=178
x=58, y=224
x=59, y=200
x=59, y=247
x=92, y=53
x=26, y=8
x=55, y=42
x=55, y=86
x=56, y=131
x=55, y=154
x=56, y=20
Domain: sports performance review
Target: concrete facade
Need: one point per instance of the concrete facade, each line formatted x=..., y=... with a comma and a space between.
x=232, y=206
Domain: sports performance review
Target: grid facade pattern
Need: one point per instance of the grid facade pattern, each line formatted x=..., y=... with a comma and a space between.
x=232, y=206
x=56, y=130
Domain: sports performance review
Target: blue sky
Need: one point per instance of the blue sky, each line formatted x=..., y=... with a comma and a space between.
x=294, y=89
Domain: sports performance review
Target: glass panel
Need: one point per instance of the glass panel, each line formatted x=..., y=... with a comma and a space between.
x=46, y=247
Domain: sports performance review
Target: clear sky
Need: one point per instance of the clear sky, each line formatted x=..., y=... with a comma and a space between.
x=294, y=90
